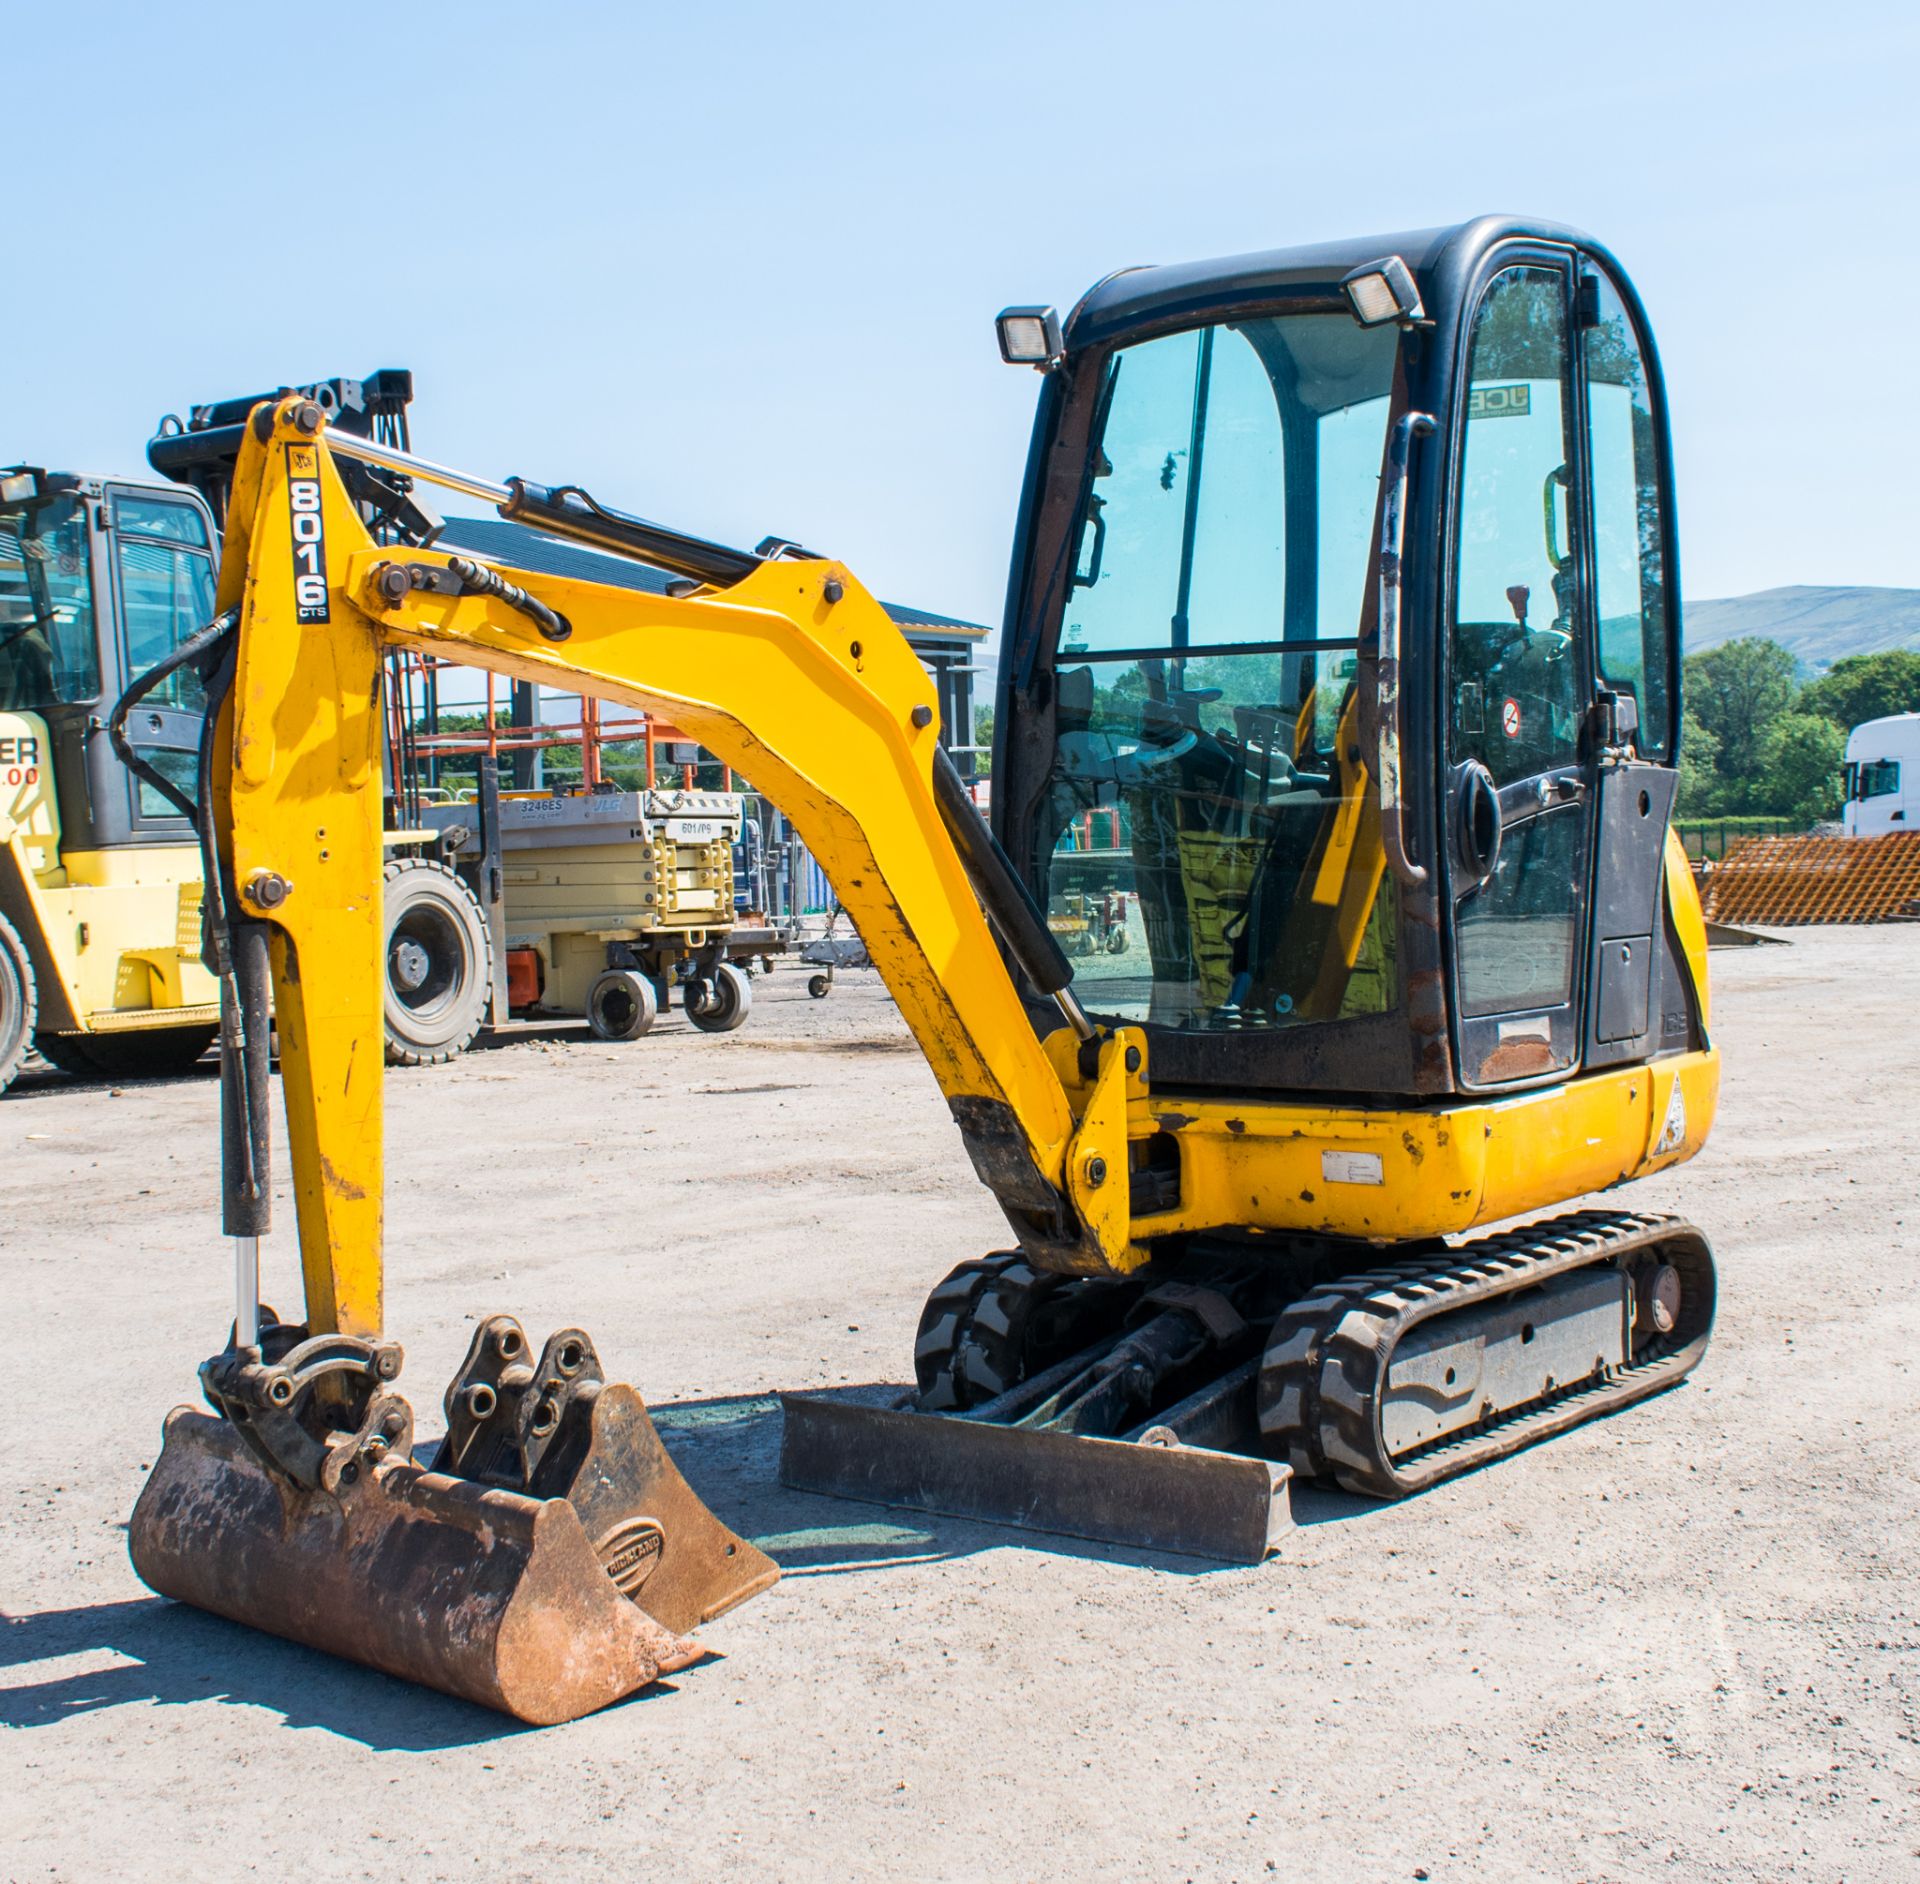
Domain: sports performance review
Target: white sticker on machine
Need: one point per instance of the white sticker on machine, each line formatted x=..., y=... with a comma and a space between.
x=1673, y=1134
x=1352, y=1167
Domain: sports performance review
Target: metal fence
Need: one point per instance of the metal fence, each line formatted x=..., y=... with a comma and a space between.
x=1707, y=840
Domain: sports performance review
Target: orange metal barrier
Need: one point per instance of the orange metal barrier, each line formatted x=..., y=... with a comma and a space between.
x=1790, y=880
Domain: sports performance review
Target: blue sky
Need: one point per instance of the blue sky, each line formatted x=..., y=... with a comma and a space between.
x=735, y=266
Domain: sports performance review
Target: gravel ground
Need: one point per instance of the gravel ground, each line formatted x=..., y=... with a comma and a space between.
x=1678, y=1643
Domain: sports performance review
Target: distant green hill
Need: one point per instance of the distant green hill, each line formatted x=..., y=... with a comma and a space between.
x=1817, y=626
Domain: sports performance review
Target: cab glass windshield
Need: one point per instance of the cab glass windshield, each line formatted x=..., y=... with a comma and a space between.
x=1212, y=853
x=48, y=655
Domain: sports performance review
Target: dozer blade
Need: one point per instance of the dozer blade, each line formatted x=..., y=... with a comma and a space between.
x=1153, y=1493
x=532, y=1605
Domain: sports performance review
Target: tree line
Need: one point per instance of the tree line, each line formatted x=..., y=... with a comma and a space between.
x=1758, y=741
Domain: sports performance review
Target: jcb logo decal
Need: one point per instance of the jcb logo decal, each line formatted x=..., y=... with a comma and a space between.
x=1499, y=402
x=309, y=536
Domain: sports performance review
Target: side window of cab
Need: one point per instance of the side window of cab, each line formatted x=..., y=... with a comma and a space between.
x=163, y=565
x=1633, y=605
x=166, y=587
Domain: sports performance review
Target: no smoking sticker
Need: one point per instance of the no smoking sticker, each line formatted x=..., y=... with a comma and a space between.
x=1510, y=718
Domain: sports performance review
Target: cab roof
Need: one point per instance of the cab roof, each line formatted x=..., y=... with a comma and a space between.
x=1185, y=291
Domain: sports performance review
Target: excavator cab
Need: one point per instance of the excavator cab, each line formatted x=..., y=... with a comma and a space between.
x=1192, y=692
x=1340, y=676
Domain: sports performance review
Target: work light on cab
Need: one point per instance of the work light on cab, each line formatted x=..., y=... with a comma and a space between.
x=1029, y=336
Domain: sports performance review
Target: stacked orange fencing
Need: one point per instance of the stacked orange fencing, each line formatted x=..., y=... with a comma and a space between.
x=1788, y=880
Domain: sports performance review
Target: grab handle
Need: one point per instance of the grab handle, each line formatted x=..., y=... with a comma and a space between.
x=1386, y=650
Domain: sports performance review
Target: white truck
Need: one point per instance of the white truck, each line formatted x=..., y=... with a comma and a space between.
x=1883, y=776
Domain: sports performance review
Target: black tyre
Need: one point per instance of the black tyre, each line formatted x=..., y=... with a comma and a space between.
x=720, y=1005
x=819, y=986
x=439, y=963
x=150, y=1053
x=621, y=1005
x=19, y=1002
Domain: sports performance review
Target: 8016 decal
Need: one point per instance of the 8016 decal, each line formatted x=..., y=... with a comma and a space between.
x=309, y=536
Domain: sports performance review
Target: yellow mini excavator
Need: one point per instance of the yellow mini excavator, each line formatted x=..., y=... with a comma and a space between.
x=1342, y=648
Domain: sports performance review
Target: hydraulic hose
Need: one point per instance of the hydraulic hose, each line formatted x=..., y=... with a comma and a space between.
x=1004, y=894
x=192, y=651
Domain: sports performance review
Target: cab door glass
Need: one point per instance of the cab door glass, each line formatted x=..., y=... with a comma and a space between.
x=1516, y=688
x=1518, y=697
x=1630, y=581
x=166, y=595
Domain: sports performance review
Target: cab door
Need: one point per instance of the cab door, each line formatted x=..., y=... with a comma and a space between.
x=1631, y=619
x=163, y=583
x=1519, y=794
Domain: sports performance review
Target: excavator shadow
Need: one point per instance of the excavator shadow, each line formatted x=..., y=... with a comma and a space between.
x=729, y=1451
x=149, y=1651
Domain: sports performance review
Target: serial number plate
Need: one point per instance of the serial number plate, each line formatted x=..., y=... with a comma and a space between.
x=1352, y=1167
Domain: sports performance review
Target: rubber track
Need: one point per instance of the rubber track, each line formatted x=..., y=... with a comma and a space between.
x=968, y=1347
x=1326, y=1363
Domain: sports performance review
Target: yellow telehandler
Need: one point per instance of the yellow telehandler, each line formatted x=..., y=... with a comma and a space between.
x=1344, y=590
x=100, y=963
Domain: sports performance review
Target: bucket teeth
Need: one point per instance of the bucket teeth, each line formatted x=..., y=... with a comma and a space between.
x=544, y=1599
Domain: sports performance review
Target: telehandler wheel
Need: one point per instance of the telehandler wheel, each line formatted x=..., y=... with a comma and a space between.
x=155, y=1053
x=621, y=1005
x=19, y=1002
x=723, y=1004
x=439, y=963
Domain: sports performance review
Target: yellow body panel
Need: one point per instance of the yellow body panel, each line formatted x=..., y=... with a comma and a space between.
x=122, y=931
x=1392, y=1175
x=795, y=677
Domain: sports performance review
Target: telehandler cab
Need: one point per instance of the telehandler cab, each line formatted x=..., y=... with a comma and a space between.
x=1345, y=589
x=99, y=873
